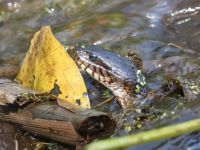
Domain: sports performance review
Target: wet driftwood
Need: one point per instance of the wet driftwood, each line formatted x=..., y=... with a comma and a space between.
x=60, y=131
x=40, y=115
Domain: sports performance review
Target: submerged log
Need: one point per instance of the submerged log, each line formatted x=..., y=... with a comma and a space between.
x=57, y=130
x=40, y=114
x=89, y=124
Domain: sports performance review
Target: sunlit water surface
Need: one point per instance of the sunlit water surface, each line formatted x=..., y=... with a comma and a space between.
x=143, y=26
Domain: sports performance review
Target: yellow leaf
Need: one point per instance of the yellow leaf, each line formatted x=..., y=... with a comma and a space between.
x=47, y=67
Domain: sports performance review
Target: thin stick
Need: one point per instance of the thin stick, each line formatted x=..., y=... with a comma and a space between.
x=145, y=137
x=105, y=101
x=175, y=45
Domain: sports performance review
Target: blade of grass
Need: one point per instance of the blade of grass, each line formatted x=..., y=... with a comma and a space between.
x=145, y=137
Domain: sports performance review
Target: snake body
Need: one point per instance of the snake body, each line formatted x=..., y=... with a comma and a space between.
x=119, y=74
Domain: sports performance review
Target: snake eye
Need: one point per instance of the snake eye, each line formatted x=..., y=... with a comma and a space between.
x=93, y=58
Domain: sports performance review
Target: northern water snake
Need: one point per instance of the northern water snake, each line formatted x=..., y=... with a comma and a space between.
x=119, y=74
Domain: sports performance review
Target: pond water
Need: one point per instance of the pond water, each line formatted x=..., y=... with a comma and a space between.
x=142, y=26
x=165, y=33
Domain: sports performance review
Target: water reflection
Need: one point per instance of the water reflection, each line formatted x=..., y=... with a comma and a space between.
x=184, y=21
x=119, y=25
x=144, y=26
